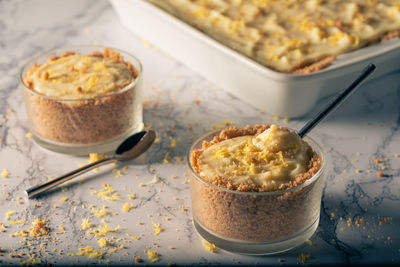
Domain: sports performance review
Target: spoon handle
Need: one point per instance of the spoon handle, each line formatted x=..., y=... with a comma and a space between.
x=337, y=100
x=36, y=190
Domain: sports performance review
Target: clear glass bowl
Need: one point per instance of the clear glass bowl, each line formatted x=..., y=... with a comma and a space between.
x=83, y=126
x=255, y=223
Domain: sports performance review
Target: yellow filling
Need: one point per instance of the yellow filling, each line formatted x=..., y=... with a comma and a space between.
x=269, y=159
x=78, y=76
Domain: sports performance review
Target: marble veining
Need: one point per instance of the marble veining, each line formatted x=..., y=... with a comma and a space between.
x=359, y=213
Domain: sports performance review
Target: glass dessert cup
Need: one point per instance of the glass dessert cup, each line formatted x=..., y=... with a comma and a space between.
x=255, y=223
x=82, y=126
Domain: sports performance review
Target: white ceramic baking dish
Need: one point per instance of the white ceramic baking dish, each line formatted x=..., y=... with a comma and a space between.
x=274, y=92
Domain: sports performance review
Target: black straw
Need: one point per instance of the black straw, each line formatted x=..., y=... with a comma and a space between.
x=337, y=100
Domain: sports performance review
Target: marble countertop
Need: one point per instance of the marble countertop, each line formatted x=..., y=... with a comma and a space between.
x=359, y=213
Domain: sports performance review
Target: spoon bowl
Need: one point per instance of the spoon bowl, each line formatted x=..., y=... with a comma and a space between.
x=135, y=145
x=130, y=148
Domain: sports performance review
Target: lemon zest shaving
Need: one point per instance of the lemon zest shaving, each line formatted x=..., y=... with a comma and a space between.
x=86, y=224
x=133, y=237
x=102, y=230
x=90, y=252
x=157, y=229
x=127, y=207
x=209, y=246
x=107, y=193
x=152, y=255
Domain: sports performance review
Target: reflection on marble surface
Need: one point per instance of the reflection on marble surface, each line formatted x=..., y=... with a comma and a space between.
x=359, y=216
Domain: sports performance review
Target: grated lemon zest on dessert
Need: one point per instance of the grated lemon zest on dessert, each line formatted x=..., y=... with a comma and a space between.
x=282, y=163
x=133, y=236
x=127, y=207
x=5, y=173
x=28, y=135
x=92, y=81
x=157, y=229
x=107, y=193
x=265, y=157
x=86, y=224
x=152, y=255
x=236, y=25
x=64, y=199
x=100, y=66
x=209, y=246
x=132, y=196
x=245, y=157
x=202, y=12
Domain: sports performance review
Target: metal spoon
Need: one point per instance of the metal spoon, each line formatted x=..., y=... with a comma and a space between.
x=130, y=148
x=337, y=100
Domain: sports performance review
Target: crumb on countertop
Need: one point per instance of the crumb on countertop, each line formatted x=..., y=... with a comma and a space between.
x=86, y=224
x=152, y=255
x=157, y=229
x=209, y=246
x=5, y=173
x=107, y=193
x=303, y=257
x=127, y=207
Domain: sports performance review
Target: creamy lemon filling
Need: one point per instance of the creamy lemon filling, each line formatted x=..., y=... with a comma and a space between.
x=270, y=159
x=79, y=76
x=286, y=34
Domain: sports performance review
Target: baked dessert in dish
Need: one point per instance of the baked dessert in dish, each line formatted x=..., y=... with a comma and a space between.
x=83, y=99
x=288, y=35
x=259, y=186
